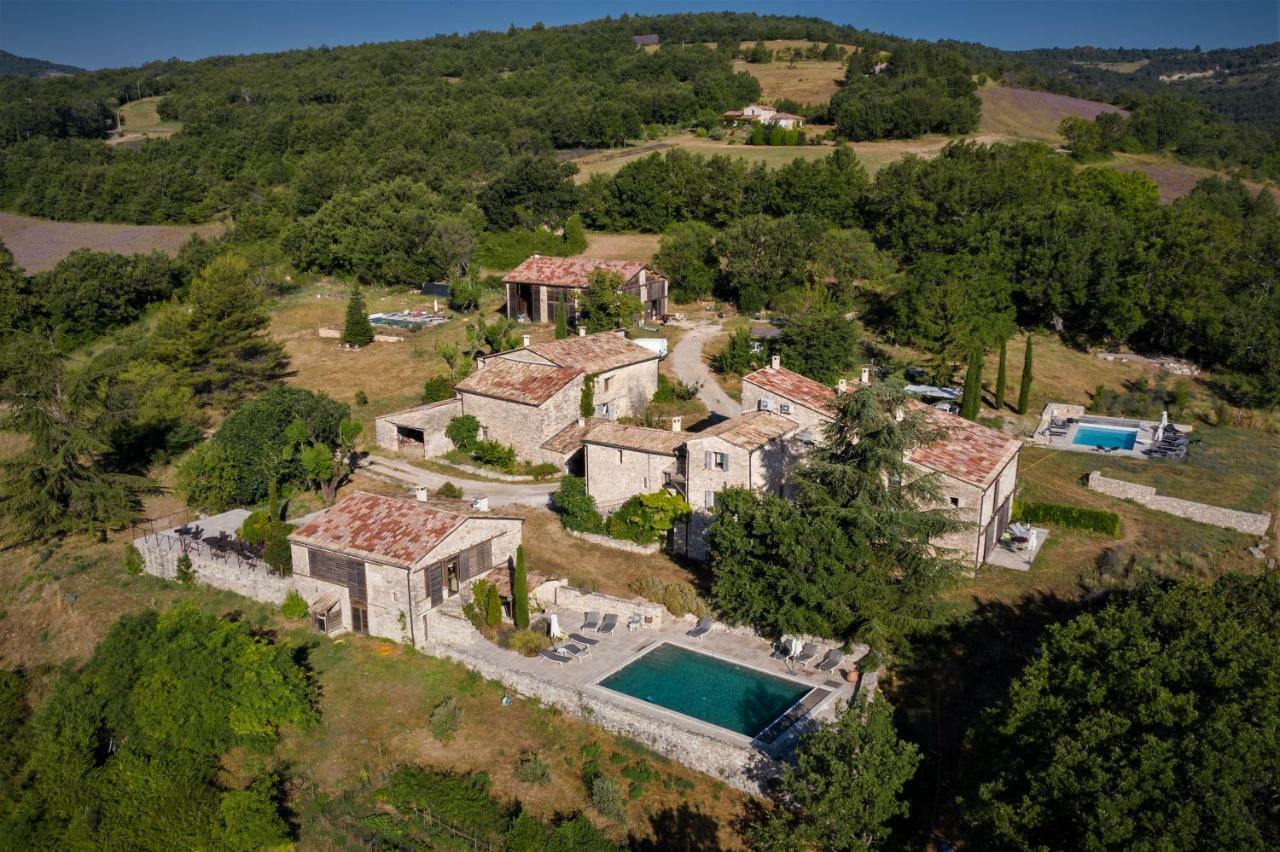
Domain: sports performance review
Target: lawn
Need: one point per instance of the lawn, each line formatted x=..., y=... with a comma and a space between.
x=640, y=247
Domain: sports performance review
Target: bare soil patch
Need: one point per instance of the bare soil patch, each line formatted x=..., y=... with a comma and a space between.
x=38, y=244
x=1033, y=115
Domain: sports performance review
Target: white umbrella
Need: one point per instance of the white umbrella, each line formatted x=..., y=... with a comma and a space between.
x=1164, y=421
x=554, y=623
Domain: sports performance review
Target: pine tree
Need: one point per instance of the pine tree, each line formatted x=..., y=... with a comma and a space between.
x=1024, y=390
x=562, y=320
x=358, y=331
x=971, y=402
x=1001, y=379
x=520, y=592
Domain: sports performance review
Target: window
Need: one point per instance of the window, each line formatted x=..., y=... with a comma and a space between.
x=709, y=500
x=608, y=383
x=720, y=461
x=955, y=501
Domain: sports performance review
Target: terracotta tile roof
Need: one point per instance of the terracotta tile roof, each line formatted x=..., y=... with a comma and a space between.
x=570, y=271
x=392, y=530
x=795, y=387
x=594, y=353
x=969, y=451
x=502, y=578
x=751, y=430
x=641, y=438
x=517, y=381
x=569, y=439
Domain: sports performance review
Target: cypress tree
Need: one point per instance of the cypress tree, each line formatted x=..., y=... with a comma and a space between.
x=1024, y=391
x=493, y=608
x=520, y=592
x=1001, y=379
x=562, y=320
x=357, y=331
x=971, y=402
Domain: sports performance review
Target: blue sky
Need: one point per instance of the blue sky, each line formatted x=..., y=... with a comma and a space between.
x=111, y=33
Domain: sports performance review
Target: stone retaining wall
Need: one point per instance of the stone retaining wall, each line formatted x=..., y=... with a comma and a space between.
x=744, y=767
x=616, y=544
x=559, y=594
x=1253, y=523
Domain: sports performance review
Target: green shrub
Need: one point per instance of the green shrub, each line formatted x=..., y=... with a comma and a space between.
x=488, y=602
x=532, y=769
x=505, y=249
x=640, y=774
x=362, y=398
x=294, y=606
x=445, y=718
x=436, y=389
x=577, y=508
x=545, y=470
x=449, y=491
x=1072, y=517
x=646, y=518
x=186, y=573
x=277, y=553
x=649, y=588
x=463, y=431
x=462, y=800
x=494, y=454
x=677, y=391
x=528, y=642
x=680, y=599
x=133, y=562
x=608, y=799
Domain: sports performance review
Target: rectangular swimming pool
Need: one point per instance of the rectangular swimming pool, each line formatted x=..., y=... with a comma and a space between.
x=1105, y=436
x=707, y=688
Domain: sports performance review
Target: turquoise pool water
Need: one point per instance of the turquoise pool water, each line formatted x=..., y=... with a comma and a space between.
x=708, y=688
x=1104, y=436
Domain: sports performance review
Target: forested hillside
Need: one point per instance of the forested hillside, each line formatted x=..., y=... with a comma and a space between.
x=12, y=65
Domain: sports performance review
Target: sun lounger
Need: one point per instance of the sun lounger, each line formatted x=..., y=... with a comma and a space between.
x=576, y=652
x=807, y=654
x=555, y=656
x=703, y=628
x=591, y=621
x=781, y=650
x=833, y=659
x=583, y=640
x=608, y=624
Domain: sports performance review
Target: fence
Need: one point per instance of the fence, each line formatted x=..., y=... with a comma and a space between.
x=196, y=548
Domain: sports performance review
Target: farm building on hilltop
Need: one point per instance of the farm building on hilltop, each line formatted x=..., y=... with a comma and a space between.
x=758, y=114
x=535, y=286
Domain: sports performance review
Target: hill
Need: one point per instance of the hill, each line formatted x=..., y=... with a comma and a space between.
x=12, y=65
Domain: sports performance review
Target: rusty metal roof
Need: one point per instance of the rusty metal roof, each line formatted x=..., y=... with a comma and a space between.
x=749, y=431
x=594, y=353
x=572, y=271
x=518, y=381
x=639, y=438
x=795, y=387
x=391, y=530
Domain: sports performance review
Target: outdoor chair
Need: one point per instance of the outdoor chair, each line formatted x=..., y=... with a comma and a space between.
x=555, y=657
x=635, y=622
x=807, y=654
x=591, y=621
x=781, y=649
x=583, y=640
x=834, y=657
x=608, y=624
x=703, y=628
x=576, y=652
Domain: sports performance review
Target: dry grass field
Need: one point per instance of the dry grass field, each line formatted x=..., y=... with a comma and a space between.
x=807, y=81
x=1025, y=114
x=143, y=122
x=38, y=244
x=641, y=247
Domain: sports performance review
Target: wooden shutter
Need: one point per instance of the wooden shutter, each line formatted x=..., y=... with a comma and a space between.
x=710, y=462
x=726, y=462
x=435, y=584
x=464, y=565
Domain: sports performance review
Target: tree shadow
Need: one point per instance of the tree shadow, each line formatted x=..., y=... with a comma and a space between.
x=680, y=829
x=952, y=674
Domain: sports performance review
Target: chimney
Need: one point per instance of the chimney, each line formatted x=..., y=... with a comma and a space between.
x=866, y=374
x=582, y=331
x=582, y=421
x=843, y=386
x=775, y=362
x=421, y=493
x=527, y=339
x=480, y=504
x=676, y=423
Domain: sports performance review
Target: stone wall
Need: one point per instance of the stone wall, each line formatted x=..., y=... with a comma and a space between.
x=615, y=474
x=615, y=543
x=559, y=594
x=1253, y=523
x=430, y=419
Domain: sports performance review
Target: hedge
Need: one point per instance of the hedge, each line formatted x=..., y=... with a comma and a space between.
x=1073, y=517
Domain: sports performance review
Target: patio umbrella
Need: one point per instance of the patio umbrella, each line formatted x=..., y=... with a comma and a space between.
x=554, y=625
x=1164, y=421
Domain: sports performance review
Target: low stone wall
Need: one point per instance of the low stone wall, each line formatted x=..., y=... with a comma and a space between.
x=559, y=594
x=743, y=767
x=616, y=544
x=1253, y=523
x=448, y=627
x=487, y=473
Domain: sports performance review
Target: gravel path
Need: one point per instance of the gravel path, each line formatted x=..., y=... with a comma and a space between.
x=499, y=493
x=687, y=363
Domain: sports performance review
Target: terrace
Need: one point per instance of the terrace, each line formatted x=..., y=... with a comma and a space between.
x=1068, y=427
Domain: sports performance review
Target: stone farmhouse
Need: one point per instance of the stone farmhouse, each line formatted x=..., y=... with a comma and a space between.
x=977, y=466
x=530, y=398
x=535, y=286
x=759, y=114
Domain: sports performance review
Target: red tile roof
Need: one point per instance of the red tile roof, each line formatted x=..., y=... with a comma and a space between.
x=569, y=439
x=518, y=381
x=570, y=271
x=795, y=387
x=594, y=353
x=749, y=431
x=640, y=438
x=390, y=530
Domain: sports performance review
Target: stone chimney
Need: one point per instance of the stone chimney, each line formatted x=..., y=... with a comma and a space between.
x=527, y=339
x=776, y=362
x=866, y=374
x=421, y=493
x=582, y=331
x=480, y=504
x=582, y=421
x=676, y=423
x=843, y=386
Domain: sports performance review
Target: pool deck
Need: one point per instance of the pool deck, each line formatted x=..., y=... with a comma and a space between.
x=616, y=650
x=1146, y=430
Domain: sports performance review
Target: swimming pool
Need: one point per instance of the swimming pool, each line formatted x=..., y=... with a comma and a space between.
x=707, y=688
x=1106, y=436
